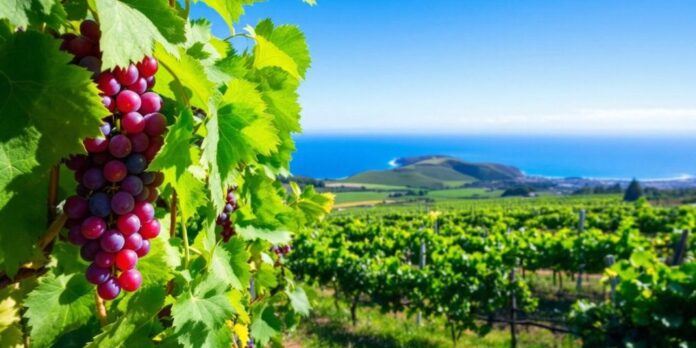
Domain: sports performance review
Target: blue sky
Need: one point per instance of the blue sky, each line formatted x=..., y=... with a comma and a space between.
x=458, y=66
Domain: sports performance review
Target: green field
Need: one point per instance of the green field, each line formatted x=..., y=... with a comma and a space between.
x=360, y=196
x=464, y=193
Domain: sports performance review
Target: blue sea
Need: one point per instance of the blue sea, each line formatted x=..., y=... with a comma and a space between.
x=606, y=157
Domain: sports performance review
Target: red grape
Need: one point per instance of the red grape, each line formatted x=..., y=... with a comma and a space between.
x=133, y=122
x=126, y=259
x=126, y=76
x=90, y=29
x=115, y=171
x=120, y=146
x=145, y=211
x=75, y=207
x=109, y=289
x=150, y=229
x=130, y=280
x=150, y=102
x=140, y=141
x=93, y=227
x=144, y=249
x=147, y=67
x=134, y=241
x=122, y=203
x=128, y=224
x=127, y=101
x=96, y=145
x=139, y=86
x=107, y=84
x=104, y=259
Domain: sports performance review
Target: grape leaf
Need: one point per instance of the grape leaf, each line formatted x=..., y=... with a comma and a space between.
x=229, y=264
x=10, y=329
x=127, y=34
x=265, y=324
x=298, y=300
x=164, y=17
x=154, y=266
x=200, y=314
x=133, y=326
x=271, y=236
x=183, y=79
x=229, y=10
x=39, y=94
x=283, y=46
x=15, y=11
x=58, y=305
x=265, y=277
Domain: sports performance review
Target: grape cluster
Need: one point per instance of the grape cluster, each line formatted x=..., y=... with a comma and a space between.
x=112, y=216
x=281, y=250
x=224, y=220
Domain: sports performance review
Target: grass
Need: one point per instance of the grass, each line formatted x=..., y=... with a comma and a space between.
x=365, y=186
x=329, y=326
x=360, y=196
x=464, y=193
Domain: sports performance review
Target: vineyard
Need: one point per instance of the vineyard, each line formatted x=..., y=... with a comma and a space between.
x=469, y=267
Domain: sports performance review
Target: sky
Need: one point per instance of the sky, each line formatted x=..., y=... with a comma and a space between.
x=492, y=67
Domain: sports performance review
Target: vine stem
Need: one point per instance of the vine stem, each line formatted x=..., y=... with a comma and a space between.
x=172, y=216
x=101, y=309
x=187, y=253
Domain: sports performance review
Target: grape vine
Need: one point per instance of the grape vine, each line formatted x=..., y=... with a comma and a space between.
x=157, y=147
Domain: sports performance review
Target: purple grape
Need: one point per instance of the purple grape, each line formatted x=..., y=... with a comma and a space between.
x=89, y=250
x=92, y=64
x=120, y=146
x=140, y=142
x=155, y=123
x=148, y=178
x=93, y=227
x=97, y=275
x=136, y=163
x=144, y=249
x=75, y=207
x=100, y=205
x=105, y=128
x=112, y=241
x=75, y=236
x=132, y=184
x=151, y=102
x=145, y=211
x=122, y=203
x=229, y=208
x=115, y=171
x=104, y=259
x=109, y=289
x=144, y=195
x=134, y=241
x=93, y=179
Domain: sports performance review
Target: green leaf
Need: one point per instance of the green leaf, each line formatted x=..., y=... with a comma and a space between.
x=265, y=277
x=15, y=11
x=183, y=79
x=284, y=47
x=200, y=314
x=298, y=300
x=229, y=264
x=175, y=155
x=229, y=10
x=163, y=16
x=128, y=35
x=46, y=107
x=132, y=328
x=271, y=236
x=265, y=325
x=154, y=266
x=58, y=305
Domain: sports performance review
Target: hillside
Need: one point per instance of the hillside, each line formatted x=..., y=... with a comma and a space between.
x=436, y=172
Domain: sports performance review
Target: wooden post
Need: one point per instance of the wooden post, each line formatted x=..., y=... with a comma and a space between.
x=513, y=303
x=679, y=250
x=421, y=265
x=609, y=260
x=581, y=228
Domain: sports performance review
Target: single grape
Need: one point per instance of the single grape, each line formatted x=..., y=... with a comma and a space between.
x=130, y=280
x=126, y=259
x=140, y=141
x=115, y=171
x=147, y=67
x=108, y=103
x=80, y=47
x=104, y=259
x=150, y=229
x=75, y=207
x=122, y=203
x=100, y=204
x=93, y=227
x=148, y=177
x=152, y=150
x=109, y=289
x=77, y=162
x=126, y=76
x=90, y=29
x=67, y=37
x=159, y=179
x=145, y=211
x=97, y=275
x=144, y=249
x=92, y=64
x=107, y=84
x=153, y=195
x=120, y=146
x=136, y=163
x=93, y=179
x=128, y=224
x=89, y=250
x=155, y=123
x=229, y=208
x=134, y=241
x=144, y=195
x=75, y=236
x=221, y=219
x=133, y=185
x=133, y=122
x=231, y=198
x=112, y=241
x=127, y=101
x=105, y=128
x=96, y=145
x=150, y=81
x=139, y=86
x=151, y=102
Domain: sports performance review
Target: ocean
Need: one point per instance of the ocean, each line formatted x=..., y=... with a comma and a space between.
x=605, y=157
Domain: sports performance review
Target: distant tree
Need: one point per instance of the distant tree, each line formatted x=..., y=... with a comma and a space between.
x=633, y=191
x=524, y=191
